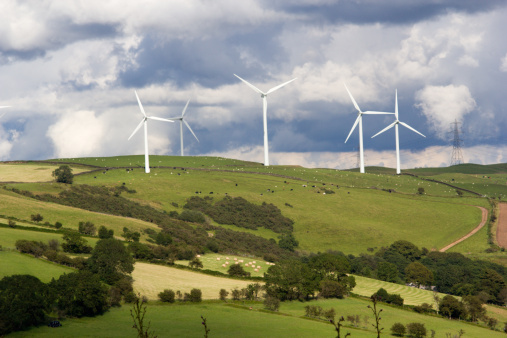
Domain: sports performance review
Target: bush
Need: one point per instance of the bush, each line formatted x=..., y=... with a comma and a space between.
x=223, y=294
x=58, y=225
x=332, y=289
x=36, y=218
x=192, y=216
x=87, y=228
x=398, y=329
x=195, y=295
x=105, y=233
x=12, y=223
x=195, y=263
x=272, y=303
x=423, y=308
x=416, y=330
x=167, y=296
x=236, y=270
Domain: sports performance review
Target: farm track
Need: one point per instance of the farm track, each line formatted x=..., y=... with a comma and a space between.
x=501, y=231
x=479, y=227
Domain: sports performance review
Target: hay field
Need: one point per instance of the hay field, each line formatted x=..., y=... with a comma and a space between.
x=216, y=261
x=151, y=279
x=36, y=172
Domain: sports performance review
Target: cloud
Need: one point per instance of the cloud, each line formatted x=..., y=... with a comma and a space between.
x=503, y=64
x=442, y=105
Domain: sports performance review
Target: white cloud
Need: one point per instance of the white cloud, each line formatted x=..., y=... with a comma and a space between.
x=442, y=105
x=503, y=64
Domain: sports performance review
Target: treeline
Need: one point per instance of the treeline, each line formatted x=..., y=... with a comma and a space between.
x=453, y=273
x=102, y=281
x=187, y=240
x=238, y=211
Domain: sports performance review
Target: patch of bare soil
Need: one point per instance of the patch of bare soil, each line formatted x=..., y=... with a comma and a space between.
x=501, y=231
x=479, y=227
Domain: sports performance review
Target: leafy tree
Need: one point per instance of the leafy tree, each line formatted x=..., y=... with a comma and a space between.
x=398, y=329
x=474, y=308
x=332, y=289
x=417, y=273
x=58, y=225
x=451, y=307
x=492, y=283
x=74, y=243
x=288, y=242
x=420, y=191
x=236, y=270
x=291, y=279
x=195, y=295
x=273, y=303
x=167, y=296
x=131, y=236
x=387, y=272
x=195, y=263
x=111, y=260
x=223, y=294
x=87, y=228
x=36, y=218
x=64, y=174
x=80, y=294
x=163, y=238
x=406, y=249
x=416, y=330
x=24, y=302
x=140, y=250
x=105, y=233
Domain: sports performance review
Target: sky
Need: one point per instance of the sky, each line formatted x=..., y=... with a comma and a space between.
x=69, y=70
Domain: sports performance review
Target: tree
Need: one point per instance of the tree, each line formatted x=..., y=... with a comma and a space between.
x=492, y=283
x=291, y=279
x=223, y=294
x=236, y=270
x=420, y=191
x=105, y=233
x=111, y=260
x=163, y=238
x=24, y=302
x=451, y=307
x=417, y=273
x=331, y=289
x=195, y=295
x=195, y=263
x=87, y=228
x=416, y=330
x=387, y=272
x=74, y=243
x=64, y=174
x=288, y=242
x=36, y=218
x=131, y=236
x=474, y=308
x=167, y=296
x=398, y=329
x=80, y=294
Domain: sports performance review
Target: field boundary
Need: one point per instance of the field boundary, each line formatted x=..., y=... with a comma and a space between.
x=477, y=228
x=501, y=230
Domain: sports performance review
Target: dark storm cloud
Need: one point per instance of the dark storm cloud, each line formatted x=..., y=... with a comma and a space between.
x=389, y=12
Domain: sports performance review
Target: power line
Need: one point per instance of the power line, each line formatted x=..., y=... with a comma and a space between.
x=457, y=155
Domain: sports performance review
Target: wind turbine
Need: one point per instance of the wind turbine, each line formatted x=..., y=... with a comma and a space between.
x=395, y=124
x=181, y=119
x=144, y=122
x=359, y=121
x=264, y=111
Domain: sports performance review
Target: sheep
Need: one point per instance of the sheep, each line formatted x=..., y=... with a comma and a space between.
x=223, y=265
x=235, y=259
x=198, y=256
x=226, y=257
x=256, y=270
x=254, y=262
x=218, y=258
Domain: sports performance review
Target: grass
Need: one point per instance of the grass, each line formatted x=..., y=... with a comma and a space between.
x=151, y=279
x=15, y=263
x=9, y=236
x=210, y=262
x=183, y=320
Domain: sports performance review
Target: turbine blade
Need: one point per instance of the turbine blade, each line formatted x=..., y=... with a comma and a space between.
x=353, y=127
x=352, y=98
x=159, y=119
x=140, y=104
x=280, y=86
x=396, y=106
x=386, y=128
x=409, y=127
x=188, y=126
x=251, y=85
x=137, y=128
x=376, y=112
x=185, y=109
x=4, y=107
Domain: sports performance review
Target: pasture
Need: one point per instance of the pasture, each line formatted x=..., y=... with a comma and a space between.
x=15, y=263
x=151, y=279
x=30, y=172
x=215, y=262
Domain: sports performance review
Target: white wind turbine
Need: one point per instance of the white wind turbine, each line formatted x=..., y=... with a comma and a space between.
x=182, y=120
x=359, y=121
x=395, y=124
x=264, y=111
x=144, y=122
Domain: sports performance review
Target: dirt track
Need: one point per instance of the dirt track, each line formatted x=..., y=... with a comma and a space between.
x=483, y=222
x=501, y=231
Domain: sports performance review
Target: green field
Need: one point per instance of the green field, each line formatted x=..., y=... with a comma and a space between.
x=15, y=263
x=182, y=320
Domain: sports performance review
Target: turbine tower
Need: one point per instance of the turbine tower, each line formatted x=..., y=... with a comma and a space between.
x=145, y=124
x=395, y=124
x=359, y=121
x=182, y=120
x=264, y=111
x=457, y=156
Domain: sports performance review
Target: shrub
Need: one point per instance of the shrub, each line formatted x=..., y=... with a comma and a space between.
x=416, y=330
x=398, y=329
x=195, y=295
x=423, y=308
x=36, y=218
x=58, y=225
x=236, y=294
x=272, y=303
x=332, y=289
x=195, y=263
x=192, y=216
x=223, y=294
x=167, y=296
x=87, y=228
x=105, y=233
x=236, y=270
x=12, y=223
